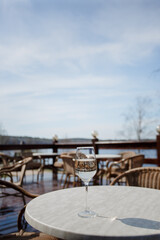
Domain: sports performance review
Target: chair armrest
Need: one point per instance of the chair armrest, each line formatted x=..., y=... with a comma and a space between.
x=116, y=164
x=64, y=156
x=107, y=163
x=17, y=188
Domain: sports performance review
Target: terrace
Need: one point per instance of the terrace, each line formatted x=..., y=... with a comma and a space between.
x=10, y=207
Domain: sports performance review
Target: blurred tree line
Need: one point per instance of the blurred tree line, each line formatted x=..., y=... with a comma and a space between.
x=6, y=139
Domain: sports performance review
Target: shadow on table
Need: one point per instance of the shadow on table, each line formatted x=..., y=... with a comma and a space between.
x=141, y=223
x=136, y=222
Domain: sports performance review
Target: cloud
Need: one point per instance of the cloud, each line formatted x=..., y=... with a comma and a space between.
x=120, y=35
x=42, y=84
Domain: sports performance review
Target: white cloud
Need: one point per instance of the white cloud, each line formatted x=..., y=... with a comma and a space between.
x=124, y=38
x=43, y=85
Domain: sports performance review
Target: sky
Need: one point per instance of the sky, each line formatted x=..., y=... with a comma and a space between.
x=69, y=67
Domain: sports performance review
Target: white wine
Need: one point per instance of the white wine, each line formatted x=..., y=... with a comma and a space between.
x=85, y=169
x=86, y=176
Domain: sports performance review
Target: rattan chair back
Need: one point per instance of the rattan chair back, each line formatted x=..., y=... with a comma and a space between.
x=6, y=159
x=17, y=166
x=68, y=163
x=119, y=167
x=126, y=155
x=136, y=161
x=69, y=168
x=148, y=177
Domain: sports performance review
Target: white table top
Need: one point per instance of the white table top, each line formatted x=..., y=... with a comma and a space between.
x=45, y=155
x=122, y=212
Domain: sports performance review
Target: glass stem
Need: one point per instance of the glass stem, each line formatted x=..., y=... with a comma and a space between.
x=86, y=187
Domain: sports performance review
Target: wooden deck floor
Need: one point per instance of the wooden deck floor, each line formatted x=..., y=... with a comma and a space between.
x=10, y=205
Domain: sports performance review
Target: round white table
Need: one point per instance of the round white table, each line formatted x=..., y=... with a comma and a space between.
x=44, y=155
x=122, y=213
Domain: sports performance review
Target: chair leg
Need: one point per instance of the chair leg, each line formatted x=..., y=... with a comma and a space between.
x=74, y=181
x=62, y=178
x=68, y=181
x=65, y=181
x=32, y=175
x=39, y=170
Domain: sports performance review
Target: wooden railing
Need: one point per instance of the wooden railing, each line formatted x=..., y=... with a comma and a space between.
x=98, y=145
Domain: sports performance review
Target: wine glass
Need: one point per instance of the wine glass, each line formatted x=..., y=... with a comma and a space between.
x=85, y=168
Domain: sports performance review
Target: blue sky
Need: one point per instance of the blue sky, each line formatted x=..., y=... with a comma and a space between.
x=69, y=67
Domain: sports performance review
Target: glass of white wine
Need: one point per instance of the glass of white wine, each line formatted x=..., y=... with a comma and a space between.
x=86, y=168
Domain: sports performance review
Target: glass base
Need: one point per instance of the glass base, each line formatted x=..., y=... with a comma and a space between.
x=87, y=214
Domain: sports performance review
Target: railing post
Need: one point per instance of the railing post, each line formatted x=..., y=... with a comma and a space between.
x=94, y=140
x=55, y=150
x=55, y=140
x=158, y=149
x=22, y=143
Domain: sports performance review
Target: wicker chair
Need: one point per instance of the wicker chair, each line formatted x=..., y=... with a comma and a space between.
x=148, y=177
x=21, y=223
x=6, y=159
x=69, y=169
x=58, y=167
x=17, y=166
x=106, y=170
x=128, y=161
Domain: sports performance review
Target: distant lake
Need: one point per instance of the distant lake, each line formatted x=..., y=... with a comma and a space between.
x=148, y=153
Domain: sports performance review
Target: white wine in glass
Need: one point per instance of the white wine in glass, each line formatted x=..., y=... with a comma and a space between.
x=86, y=168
